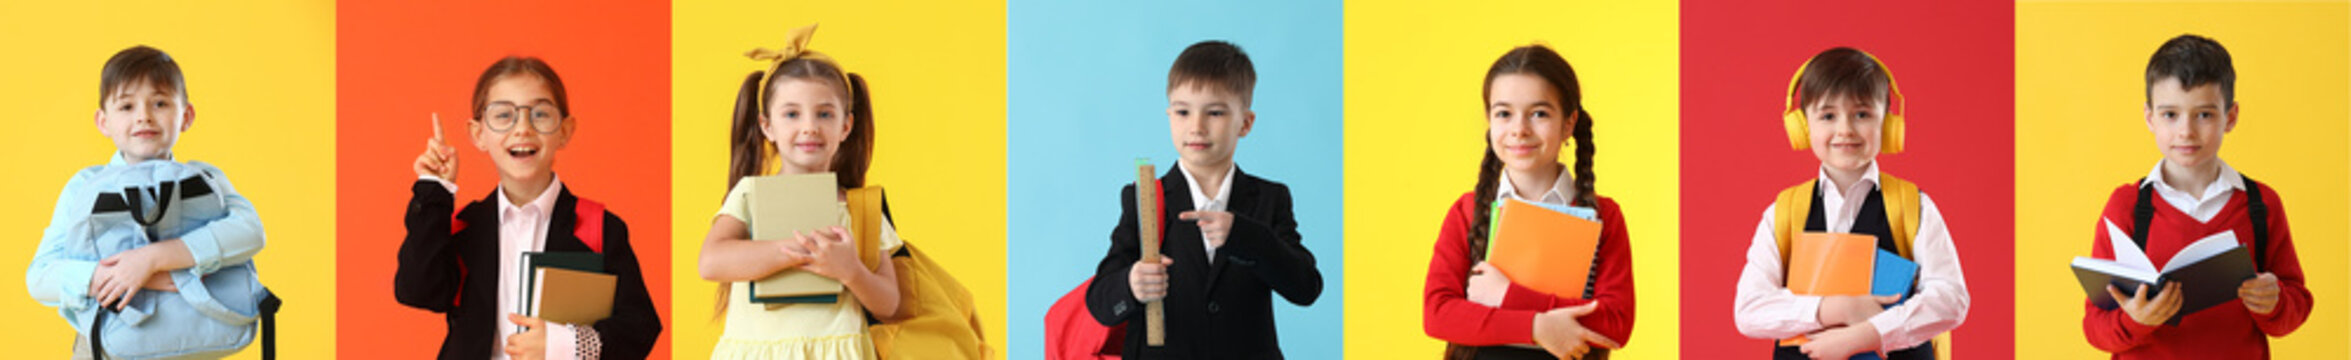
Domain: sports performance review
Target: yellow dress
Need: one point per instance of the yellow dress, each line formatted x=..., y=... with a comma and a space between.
x=794, y=331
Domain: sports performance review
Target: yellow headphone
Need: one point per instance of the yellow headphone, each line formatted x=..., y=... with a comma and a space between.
x=1799, y=132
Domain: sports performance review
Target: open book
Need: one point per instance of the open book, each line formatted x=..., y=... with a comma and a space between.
x=2208, y=271
x=781, y=205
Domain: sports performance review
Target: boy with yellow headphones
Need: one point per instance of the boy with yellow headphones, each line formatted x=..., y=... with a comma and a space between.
x=1839, y=106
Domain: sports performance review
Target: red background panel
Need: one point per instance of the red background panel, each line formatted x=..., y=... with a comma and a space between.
x=1954, y=60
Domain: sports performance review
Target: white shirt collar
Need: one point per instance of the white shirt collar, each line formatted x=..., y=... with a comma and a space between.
x=1200, y=199
x=2207, y=203
x=1869, y=175
x=2228, y=179
x=118, y=159
x=1843, y=205
x=545, y=200
x=1562, y=189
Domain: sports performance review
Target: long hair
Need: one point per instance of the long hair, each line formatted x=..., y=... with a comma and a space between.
x=751, y=152
x=1542, y=62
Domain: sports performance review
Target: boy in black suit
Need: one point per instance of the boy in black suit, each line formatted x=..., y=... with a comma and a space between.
x=471, y=274
x=1229, y=238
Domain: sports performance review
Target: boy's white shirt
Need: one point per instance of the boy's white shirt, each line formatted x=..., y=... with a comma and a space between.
x=2215, y=195
x=64, y=283
x=1765, y=309
x=1202, y=202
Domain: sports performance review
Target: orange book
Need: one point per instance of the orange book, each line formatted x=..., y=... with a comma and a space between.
x=1826, y=264
x=1543, y=249
x=1830, y=264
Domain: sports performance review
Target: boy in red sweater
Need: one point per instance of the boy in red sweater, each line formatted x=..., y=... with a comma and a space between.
x=2191, y=193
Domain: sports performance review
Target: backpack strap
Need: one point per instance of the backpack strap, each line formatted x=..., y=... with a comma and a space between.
x=2259, y=210
x=866, y=215
x=1788, y=213
x=2142, y=212
x=1902, y=211
x=589, y=224
x=269, y=323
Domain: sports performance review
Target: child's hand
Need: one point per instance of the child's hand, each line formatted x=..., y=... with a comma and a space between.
x=1560, y=332
x=1842, y=342
x=832, y=253
x=2260, y=293
x=439, y=159
x=531, y=344
x=161, y=281
x=1214, y=225
x=1149, y=280
x=120, y=276
x=1487, y=285
x=1846, y=310
x=2146, y=311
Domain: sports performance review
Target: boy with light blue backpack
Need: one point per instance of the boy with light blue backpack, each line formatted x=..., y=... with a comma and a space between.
x=146, y=257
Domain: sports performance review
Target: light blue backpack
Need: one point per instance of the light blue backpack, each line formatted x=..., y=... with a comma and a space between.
x=212, y=315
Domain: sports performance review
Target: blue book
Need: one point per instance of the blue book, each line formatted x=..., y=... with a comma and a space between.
x=1894, y=276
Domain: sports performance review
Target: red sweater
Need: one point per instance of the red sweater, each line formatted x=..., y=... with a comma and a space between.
x=2225, y=331
x=1447, y=314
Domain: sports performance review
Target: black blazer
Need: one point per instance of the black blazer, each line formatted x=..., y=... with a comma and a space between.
x=457, y=275
x=1219, y=310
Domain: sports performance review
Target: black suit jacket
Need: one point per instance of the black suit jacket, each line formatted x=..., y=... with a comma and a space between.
x=457, y=274
x=1215, y=310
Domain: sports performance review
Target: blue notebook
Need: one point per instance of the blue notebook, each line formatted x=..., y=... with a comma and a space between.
x=1894, y=276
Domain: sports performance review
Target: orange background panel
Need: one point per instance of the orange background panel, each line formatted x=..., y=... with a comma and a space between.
x=400, y=62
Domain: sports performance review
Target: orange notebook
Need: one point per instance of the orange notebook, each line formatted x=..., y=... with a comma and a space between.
x=1826, y=264
x=1830, y=264
x=1543, y=249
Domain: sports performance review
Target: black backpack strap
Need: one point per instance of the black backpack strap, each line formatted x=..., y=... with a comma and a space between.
x=2142, y=213
x=2259, y=210
x=97, y=325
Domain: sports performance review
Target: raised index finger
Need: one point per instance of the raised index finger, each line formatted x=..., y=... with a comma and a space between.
x=436, y=126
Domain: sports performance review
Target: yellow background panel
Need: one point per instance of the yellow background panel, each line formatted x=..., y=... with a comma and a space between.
x=1414, y=137
x=261, y=75
x=2080, y=131
x=937, y=72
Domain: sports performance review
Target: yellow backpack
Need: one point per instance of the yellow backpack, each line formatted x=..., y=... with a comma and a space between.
x=937, y=318
x=1902, y=211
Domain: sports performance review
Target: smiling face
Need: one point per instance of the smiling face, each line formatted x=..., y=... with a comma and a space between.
x=144, y=120
x=1206, y=124
x=1845, y=130
x=1525, y=123
x=808, y=119
x=521, y=152
x=2188, y=122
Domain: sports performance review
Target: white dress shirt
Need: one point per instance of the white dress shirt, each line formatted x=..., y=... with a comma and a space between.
x=2207, y=203
x=1765, y=309
x=522, y=227
x=1202, y=202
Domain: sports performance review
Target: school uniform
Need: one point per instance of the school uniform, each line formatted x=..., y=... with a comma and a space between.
x=466, y=267
x=1219, y=302
x=1506, y=331
x=2225, y=331
x=1937, y=302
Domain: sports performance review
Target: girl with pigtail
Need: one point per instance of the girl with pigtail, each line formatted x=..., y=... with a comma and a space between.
x=1533, y=107
x=805, y=115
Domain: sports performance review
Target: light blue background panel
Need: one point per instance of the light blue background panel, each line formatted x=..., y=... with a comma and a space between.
x=1087, y=95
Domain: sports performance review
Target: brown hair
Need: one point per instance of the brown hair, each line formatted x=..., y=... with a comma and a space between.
x=1542, y=62
x=2195, y=61
x=142, y=64
x=749, y=148
x=1215, y=63
x=513, y=66
x=1842, y=71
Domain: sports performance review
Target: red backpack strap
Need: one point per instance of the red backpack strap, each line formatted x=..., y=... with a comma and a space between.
x=589, y=226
